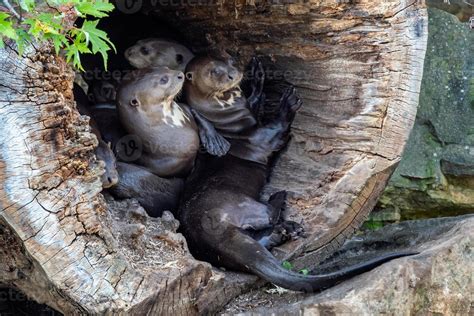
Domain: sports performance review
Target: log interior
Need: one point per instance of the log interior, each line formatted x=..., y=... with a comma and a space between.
x=358, y=68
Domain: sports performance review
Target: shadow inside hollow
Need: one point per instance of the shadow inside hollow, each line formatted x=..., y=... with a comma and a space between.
x=15, y=303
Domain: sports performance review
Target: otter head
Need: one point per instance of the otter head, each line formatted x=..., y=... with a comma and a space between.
x=144, y=89
x=212, y=76
x=102, y=91
x=105, y=153
x=155, y=52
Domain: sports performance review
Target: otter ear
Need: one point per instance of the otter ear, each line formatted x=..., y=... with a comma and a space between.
x=134, y=102
x=189, y=76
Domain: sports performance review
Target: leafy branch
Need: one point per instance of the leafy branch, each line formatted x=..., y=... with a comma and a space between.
x=55, y=20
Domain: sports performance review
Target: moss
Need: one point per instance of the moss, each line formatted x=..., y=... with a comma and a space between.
x=436, y=173
x=422, y=301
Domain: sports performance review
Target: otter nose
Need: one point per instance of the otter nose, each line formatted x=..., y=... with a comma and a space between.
x=233, y=74
x=112, y=180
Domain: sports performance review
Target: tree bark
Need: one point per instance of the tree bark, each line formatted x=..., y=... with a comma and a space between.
x=358, y=68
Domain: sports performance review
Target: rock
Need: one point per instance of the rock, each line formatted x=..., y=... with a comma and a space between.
x=436, y=281
x=436, y=175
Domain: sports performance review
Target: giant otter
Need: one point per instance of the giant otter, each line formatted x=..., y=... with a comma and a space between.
x=212, y=90
x=167, y=130
x=223, y=220
x=156, y=52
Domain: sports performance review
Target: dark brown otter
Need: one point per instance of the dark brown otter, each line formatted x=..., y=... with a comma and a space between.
x=225, y=224
x=167, y=131
x=155, y=194
x=212, y=90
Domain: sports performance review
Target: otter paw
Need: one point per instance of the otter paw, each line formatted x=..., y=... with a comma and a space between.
x=290, y=102
x=215, y=144
x=293, y=230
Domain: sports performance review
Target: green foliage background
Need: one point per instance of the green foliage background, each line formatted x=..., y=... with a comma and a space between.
x=55, y=20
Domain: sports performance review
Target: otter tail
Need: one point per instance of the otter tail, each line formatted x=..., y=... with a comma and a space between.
x=266, y=266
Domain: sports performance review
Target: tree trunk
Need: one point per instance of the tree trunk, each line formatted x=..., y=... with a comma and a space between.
x=358, y=68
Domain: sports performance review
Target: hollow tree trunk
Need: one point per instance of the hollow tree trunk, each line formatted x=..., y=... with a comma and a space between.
x=358, y=69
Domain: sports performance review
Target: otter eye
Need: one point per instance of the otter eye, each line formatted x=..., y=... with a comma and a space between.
x=179, y=58
x=215, y=72
x=164, y=80
x=134, y=103
x=144, y=50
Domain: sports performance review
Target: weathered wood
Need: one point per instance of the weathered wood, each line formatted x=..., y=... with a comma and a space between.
x=358, y=68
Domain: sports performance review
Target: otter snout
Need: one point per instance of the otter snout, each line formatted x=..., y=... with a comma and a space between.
x=109, y=181
x=233, y=74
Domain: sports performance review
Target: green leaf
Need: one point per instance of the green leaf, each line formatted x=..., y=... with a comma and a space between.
x=98, y=9
x=54, y=25
x=6, y=27
x=43, y=25
x=74, y=51
x=59, y=41
x=100, y=43
x=27, y=5
x=304, y=271
x=372, y=224
x=287, y=265
x=23, y=39
x=72, y=54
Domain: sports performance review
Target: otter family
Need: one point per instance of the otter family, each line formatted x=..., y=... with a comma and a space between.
x=151, y=126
